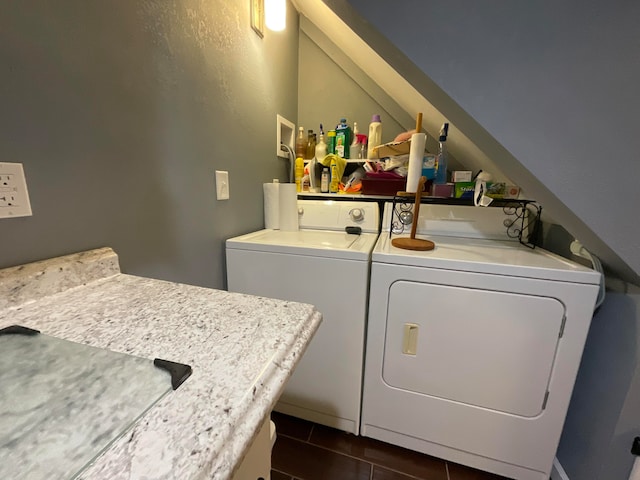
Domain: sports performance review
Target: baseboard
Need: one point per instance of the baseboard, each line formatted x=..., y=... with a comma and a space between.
x=557, y=472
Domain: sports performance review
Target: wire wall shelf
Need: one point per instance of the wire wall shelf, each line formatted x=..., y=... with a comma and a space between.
x=523, y=220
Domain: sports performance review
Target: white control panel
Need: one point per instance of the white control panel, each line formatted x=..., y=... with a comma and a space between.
x=336, y=215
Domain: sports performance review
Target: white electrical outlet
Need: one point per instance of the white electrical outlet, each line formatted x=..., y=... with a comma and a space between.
x=222, y=185
x=14, y=197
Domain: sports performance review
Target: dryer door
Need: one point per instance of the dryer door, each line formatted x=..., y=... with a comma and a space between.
x=478, y=347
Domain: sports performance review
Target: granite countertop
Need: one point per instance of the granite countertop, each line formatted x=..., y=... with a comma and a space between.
x=242, y=350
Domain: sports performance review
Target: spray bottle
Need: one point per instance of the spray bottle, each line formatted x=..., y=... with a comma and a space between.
x=354, y=148
x=321, y=147
x=441, y=159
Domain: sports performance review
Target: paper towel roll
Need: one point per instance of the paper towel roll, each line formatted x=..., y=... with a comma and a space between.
x=416, y=153
x=271, y=205
x=288, y=207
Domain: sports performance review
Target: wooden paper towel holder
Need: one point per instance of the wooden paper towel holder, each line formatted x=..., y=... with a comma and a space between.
x=413, y=243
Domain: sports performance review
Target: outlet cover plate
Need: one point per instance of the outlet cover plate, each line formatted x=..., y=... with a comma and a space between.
x=14, y=197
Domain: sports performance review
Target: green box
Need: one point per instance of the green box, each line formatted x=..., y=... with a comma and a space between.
x=464, y=190
x=494, y=190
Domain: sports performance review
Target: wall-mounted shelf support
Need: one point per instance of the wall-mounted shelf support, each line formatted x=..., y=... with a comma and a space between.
x=523, y=223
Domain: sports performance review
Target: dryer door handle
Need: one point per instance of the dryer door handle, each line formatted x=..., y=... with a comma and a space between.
x=410, y=339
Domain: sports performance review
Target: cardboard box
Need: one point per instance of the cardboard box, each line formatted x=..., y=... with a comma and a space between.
x=494, y=190
x=464, y=190
x=429, y=166
x=503, y=191
x=392, y=149
x=461, y=176
x=443, y=190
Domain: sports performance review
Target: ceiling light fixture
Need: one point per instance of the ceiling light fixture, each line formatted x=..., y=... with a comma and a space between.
x=275, y=13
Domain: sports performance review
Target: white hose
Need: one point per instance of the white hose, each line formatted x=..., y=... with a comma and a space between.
x=479, y=197
x=578, y=249
x=292, y=158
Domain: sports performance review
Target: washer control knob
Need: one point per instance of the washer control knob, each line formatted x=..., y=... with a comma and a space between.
x=300, y=211
x=357, y=214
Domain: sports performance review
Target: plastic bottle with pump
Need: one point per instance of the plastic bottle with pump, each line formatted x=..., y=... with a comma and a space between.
x=321, y=147
x=299, y=173
x=375, y=135
x=301, y=143
x=441, y=158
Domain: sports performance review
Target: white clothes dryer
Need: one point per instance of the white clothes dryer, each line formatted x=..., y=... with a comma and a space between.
x=322, y=265
x=473, y=347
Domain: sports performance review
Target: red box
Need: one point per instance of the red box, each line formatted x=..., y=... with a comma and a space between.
x=383, y=186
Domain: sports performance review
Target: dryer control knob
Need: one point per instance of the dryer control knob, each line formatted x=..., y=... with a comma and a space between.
x=357, y=214
x=300, y=211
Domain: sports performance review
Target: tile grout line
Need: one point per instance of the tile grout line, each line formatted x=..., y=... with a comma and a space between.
x=391, y=469
x=282, y=473
x=405, y=474
x=353, y=457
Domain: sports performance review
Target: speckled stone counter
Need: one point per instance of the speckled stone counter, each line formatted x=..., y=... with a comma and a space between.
x=242, y=350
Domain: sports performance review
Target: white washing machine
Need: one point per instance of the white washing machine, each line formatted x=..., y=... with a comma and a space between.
x=473, y=347
x=322, y=265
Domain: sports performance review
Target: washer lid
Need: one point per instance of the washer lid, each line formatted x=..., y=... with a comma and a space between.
x=317, y=243
x=485, y=256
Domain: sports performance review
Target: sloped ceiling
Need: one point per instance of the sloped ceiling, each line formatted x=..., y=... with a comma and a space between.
x=320, y=16
x=469, y=141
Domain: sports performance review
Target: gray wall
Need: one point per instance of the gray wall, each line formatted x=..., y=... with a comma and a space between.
x=604, y=415
x=327, y=93
x=121, y=111
x=555, y=84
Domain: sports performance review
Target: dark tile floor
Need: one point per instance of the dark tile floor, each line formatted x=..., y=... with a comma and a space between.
x=308, y=451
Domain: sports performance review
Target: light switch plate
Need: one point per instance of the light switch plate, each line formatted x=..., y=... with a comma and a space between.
x=222, y=185
x=14, y=197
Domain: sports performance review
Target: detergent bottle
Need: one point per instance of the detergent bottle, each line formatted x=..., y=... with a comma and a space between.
x=299, y=173
x=375, y=135
x=343, y=139
x=335, y=181
x=321, y=147
x=301, y=143
x=324, y=183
